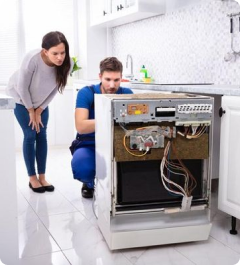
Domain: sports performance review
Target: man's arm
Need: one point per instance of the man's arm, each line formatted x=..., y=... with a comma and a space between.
x=82, y=123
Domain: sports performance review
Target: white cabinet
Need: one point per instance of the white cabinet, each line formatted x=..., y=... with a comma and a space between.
x=64, y=118
x=61, y=119
x=100, y=8
x=111, y=13
x=229, y=178
x=8, y=195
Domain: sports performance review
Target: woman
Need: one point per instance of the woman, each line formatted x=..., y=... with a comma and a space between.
x=42, y=74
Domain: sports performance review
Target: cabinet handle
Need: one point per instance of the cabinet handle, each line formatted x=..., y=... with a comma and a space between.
x=120, y=7
x=221, y=112
x=104, y=12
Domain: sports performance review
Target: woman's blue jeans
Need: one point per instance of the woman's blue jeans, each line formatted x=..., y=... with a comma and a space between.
x=34, y=144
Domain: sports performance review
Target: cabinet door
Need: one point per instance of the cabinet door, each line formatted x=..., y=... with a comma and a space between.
x=229, y=175
x=99, y=8
x=64, y=118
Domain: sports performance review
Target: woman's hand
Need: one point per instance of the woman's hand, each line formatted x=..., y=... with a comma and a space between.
x=38, y=119
x=35, y=119
x=32, y=118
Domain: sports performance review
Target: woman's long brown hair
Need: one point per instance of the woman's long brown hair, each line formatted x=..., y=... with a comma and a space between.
x=50, y=40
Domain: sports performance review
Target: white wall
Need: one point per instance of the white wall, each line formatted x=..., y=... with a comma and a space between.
x=185, y=46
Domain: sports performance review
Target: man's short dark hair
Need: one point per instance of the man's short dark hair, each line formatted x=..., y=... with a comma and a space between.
x=111, y=64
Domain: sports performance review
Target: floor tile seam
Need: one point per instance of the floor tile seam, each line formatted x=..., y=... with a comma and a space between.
x=43, y=254
x=39, y=255
x=66, y=257
x=76, y=209
x=47, y=230
x=55, y=240
x=54, y=214
x=85, y=216
x=51, y=236
x=80, y=211
x=42, y=217
x=43, y=224
x=225, y=245
x=137, y=258
x=127, y=258
x=175, y=248
x=39, y=216
x=69, y=201
x=93, y=206
x=29, y=204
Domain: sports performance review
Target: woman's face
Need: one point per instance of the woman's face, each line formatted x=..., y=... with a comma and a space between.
x=56, y=54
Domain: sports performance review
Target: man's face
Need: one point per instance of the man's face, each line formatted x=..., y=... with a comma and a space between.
x=110, y=82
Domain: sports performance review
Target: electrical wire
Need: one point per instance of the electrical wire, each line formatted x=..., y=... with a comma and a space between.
x=167, y=167
x=190, y=182
x=165, y=179
x=125, y=146
x=94, y=199
x=195, y=133
x=198, y=134
x=193, y=182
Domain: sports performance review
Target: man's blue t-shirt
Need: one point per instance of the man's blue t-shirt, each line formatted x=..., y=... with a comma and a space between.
x=85, y=99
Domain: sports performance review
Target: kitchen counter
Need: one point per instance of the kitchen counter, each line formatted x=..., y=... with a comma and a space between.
x=230, y=90
x=6, y=102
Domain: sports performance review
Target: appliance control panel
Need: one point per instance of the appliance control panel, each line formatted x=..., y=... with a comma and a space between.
x=177, y=109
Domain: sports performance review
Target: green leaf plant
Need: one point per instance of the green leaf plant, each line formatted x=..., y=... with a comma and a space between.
x=75, y=65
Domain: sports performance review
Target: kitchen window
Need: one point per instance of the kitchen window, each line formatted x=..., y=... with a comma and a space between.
x=25, y=22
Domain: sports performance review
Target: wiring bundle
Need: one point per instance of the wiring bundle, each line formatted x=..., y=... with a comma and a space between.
x=144, y=138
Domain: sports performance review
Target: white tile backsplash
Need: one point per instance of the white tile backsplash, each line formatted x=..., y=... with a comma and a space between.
x=184, y=46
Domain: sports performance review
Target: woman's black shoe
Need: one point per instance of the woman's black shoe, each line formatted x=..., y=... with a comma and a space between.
x=49, y=188
x=38, y=190
x=87, y=192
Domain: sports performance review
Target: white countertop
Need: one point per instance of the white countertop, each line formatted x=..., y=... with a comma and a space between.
x=6, y=102
x=230, y=90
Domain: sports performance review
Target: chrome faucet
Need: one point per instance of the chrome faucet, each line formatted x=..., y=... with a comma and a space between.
x=131, y=74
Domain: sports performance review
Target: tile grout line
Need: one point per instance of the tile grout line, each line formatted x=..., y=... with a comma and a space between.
x=46, y=229
x=184, y=256
x=225, y=245
x=74, y=206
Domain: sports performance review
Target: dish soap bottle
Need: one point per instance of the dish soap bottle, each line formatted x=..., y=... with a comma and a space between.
x=143, y=73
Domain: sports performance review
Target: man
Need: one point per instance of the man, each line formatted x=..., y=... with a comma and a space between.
x=83, y=161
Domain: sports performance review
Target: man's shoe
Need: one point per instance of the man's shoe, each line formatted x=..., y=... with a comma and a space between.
x=87, y=192
x=38, y=190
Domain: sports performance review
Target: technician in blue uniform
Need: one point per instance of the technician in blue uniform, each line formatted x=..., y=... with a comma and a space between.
x=83, y=161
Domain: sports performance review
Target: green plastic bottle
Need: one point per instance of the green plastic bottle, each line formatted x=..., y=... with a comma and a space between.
x=143, y=72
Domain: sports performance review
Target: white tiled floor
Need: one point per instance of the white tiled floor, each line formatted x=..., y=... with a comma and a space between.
x=60, y=228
